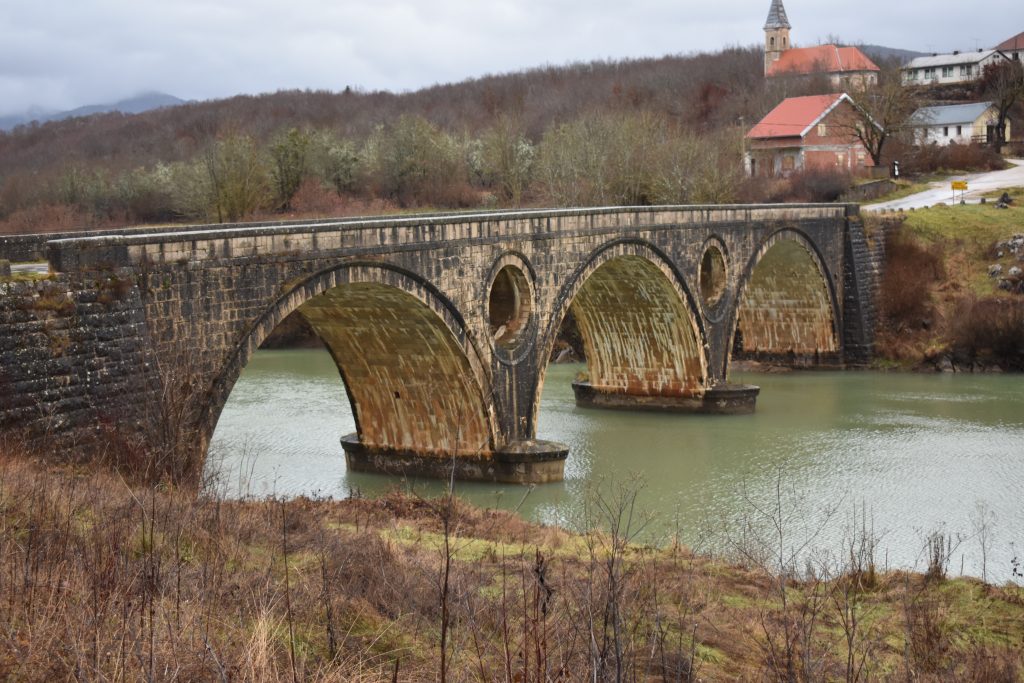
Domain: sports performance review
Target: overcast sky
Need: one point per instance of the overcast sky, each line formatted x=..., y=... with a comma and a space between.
x=62, y=54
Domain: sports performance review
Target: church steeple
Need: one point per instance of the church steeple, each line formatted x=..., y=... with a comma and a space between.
x=776, y=34
x=777, y=16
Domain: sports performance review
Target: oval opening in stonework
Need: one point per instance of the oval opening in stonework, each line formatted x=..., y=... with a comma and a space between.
x=509, y=305
x=712, y=276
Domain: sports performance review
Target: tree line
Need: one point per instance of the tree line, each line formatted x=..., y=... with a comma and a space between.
x=626, y=157
x=618, y=132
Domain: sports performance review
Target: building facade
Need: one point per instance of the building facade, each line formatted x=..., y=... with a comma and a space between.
x=956, y=67
x=802, y=133
x=959, y=123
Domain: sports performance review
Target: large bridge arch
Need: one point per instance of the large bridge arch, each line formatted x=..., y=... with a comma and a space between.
x=639, y=321
x=414, y=379
x=786, y=305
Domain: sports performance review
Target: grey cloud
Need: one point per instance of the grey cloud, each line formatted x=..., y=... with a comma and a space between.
x=66, y=53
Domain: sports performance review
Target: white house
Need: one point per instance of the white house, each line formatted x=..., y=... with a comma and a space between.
x=958, y=67
x=959, y=123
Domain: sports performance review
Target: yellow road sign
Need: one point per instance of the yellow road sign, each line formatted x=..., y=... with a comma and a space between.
x=959, y=184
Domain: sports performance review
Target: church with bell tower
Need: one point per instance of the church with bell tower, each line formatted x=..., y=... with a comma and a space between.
x=845, y=67
x=776, y=34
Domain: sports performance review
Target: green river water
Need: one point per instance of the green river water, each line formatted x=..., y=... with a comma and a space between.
x=904, y=455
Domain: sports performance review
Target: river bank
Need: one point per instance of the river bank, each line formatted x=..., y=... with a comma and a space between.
x=952, y=289
x=102, y=579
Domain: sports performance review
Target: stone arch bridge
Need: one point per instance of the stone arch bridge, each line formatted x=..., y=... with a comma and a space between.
x=441, y=326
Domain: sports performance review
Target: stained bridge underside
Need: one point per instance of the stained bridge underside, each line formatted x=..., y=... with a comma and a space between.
x=639, y=336
x=645, y=349
x=410, y=384
x=787, y=312
x=442, y=326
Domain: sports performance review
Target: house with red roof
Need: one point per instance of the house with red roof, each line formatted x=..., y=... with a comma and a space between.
x=1013, y=47
x=846, y=67
x=815, y=132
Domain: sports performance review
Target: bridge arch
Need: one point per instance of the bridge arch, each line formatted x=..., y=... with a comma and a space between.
x=786, y=306
x=414, y=379
x=638, y=319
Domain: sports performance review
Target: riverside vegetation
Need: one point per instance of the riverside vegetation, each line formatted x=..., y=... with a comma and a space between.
x=103, y=579
x=944, y=304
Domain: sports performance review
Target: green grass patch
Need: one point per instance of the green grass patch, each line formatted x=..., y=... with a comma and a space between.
x=1016, y=193
x=967, y=234
x=973, y=225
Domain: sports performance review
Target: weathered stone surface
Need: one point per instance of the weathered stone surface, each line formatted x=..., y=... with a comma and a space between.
x=434, y=364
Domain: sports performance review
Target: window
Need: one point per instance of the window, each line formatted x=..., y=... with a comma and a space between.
x=967, y=70
x=822, y=130
x=947, y=72
x=773, y=41
x=959, y=131
x=945, y=131
x=912, y=75
x=861, y=158
x=788, y=162
x=1016, y=55
x=929, y=72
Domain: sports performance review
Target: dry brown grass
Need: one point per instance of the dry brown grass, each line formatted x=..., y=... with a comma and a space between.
x=102, y=580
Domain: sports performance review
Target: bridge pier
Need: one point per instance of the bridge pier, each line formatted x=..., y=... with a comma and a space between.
x=523, y=462
x=724, y=399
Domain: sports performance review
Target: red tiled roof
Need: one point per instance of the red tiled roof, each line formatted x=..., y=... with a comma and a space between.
x=793, y=116
x=1015, y=43
x=821, y=59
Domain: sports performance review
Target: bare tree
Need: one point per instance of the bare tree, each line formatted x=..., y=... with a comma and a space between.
x=880, y=111
x=1002, y=83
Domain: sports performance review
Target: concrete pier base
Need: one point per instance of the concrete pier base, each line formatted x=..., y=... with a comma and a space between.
x=523, y=462
x=724, y=399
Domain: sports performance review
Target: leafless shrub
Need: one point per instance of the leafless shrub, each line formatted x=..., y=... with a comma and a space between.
x=910, y=271
x=989, y=331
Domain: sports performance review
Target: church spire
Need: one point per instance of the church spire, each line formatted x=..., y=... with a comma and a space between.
x=777, y=17
x=776, y=35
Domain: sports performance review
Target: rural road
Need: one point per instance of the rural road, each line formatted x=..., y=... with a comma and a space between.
x=977, y=185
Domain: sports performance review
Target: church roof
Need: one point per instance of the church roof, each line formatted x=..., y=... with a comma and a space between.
x=795, y=116
x=777, y=16
x=828, y=59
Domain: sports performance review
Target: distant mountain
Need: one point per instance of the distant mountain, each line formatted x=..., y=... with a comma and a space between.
x=880, y=53
x=132, y=105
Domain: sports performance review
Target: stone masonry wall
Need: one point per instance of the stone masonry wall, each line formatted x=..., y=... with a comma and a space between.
x=73, y=357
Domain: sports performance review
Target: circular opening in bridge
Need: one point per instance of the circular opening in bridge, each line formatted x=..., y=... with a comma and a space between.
x=508, y=307
x=712, y=276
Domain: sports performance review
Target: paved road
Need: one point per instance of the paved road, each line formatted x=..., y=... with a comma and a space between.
x=977, y=183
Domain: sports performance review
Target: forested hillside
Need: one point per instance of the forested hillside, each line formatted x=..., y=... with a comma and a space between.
x=636, y=131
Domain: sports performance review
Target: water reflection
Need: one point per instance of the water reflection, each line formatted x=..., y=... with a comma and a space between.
x=919, y=453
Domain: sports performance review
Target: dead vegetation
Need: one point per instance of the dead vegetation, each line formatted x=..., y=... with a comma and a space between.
x=101, y=580
x=938, y=305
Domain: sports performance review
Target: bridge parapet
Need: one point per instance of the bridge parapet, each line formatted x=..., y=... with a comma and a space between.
x=203, y=243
